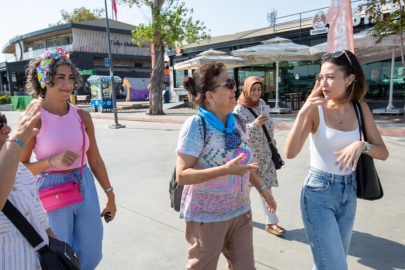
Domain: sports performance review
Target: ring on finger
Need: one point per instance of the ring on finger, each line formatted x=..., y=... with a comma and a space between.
x=32, y=115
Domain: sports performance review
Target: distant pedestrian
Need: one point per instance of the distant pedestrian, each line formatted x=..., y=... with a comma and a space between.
x=328, y=197
x=215, y=173
x=58, y=148
x=250, y=100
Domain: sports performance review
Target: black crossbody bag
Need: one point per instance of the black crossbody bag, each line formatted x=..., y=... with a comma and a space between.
x=275, y=156
x=58, y=255
x=368, y=183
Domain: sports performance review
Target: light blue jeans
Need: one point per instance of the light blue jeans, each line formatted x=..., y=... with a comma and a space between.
x=79, y=224
x=328, y=209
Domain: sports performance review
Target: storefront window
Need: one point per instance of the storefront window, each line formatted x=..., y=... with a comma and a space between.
x=179, y=76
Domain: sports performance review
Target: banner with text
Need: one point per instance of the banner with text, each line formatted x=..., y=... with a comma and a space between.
x=340, y=35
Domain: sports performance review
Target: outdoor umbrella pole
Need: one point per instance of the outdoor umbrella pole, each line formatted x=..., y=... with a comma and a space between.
x=390, y=105
x=276, y=106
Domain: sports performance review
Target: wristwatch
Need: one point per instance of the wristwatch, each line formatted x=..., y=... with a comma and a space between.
x=367, y=146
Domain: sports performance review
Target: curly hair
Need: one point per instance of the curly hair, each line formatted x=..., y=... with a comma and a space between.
x=202, y=81
x=33, y=88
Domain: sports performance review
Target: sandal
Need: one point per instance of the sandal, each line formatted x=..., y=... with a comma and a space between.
x=275, y=229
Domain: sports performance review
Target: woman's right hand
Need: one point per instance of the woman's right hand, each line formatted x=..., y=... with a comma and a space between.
x=66, y=158
x=314, y=99
x=261, y=120
x=234, y=167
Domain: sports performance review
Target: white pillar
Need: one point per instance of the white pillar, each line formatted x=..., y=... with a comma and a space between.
x=390, y=105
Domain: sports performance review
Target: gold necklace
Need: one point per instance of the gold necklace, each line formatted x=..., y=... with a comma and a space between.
x=341, y=120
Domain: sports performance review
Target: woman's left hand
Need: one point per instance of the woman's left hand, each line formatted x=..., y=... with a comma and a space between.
x=349, y=155
x=110, y=207
x=269, y=199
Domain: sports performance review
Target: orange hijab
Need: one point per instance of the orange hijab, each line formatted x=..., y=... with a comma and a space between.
x=245, y=99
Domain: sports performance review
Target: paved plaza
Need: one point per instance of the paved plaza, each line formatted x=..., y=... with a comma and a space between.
x=147, y=234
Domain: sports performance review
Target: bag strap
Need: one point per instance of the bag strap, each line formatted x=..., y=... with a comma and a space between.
x=360, y=119
x=263, y=126
x=22, y=224
x=84, y=141
x=73, y=178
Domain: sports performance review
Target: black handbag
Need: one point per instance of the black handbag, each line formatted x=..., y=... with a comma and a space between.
x=58, y=255
x=275, y=156
x=368, y=183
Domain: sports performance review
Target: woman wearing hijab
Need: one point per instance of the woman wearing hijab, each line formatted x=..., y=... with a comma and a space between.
x=250, y=100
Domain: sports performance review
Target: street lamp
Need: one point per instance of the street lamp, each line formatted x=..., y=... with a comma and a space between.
x=115, y=125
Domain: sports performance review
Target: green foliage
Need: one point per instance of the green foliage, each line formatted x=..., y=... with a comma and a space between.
x=384, y=24
x=4, y=99
x=172, y=24
x=79, y=15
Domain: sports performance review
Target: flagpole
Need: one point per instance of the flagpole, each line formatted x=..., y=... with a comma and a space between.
x=115, y=125
x=112, y=9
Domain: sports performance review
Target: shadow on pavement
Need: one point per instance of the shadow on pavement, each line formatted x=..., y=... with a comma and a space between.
x=372, y=251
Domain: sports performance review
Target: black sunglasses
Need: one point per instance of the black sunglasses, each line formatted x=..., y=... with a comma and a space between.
x=230, y=83
x=3, y=120
x=337, y=55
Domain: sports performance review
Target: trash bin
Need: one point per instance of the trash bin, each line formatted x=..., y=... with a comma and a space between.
x=166, y=96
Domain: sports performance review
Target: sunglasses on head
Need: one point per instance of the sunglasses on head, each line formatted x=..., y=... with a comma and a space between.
x=230, y=83
x=337, y=55
x=3, y=120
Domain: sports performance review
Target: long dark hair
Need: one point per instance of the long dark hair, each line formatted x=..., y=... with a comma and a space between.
x=358, y=88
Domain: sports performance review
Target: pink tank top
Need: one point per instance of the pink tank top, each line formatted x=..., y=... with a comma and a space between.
x=58, y=134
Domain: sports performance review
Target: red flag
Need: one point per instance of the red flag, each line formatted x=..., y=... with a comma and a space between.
x=115, y=9
x=340, y=36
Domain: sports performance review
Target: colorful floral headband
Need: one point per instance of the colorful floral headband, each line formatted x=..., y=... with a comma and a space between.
x=47, y=59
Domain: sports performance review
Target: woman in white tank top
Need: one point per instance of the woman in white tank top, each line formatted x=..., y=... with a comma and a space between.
x=328, y=197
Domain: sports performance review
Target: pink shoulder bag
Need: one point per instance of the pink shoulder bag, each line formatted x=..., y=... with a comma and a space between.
x=67, y=193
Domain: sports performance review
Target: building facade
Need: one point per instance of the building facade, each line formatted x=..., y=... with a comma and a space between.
x=295, y=76
x=87, y=45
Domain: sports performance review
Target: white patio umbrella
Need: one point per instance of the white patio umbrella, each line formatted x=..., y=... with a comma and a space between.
x=212, y=56
x=367, y=51
x=275, y=50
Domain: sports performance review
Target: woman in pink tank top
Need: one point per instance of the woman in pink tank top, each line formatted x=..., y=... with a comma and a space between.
x=58, y=148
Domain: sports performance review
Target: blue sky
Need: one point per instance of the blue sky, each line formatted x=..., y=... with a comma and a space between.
x=223, y=17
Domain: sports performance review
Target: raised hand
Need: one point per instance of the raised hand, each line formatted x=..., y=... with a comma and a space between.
x=314, y=99
x=261, y=120
x=234, y=167
x=25, y=129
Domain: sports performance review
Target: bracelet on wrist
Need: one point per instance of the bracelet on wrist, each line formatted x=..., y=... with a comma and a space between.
x=260, y=189
x=16, y=141
x=49, y=163
x=109, y=189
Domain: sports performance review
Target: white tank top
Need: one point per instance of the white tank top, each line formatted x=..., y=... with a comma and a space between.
x=325, y=141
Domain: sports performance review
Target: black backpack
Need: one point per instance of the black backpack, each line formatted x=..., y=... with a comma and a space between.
x=175, y=189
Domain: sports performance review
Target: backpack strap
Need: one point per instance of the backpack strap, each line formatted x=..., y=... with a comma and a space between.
x=204, y=126
x=241, y=122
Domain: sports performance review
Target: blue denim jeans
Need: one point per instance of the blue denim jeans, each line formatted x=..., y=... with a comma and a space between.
x=79, y=224
x=328, y=209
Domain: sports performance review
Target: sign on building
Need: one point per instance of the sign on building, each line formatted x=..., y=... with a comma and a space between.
x=319, y=22
x=107, y=62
